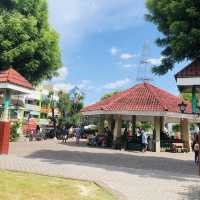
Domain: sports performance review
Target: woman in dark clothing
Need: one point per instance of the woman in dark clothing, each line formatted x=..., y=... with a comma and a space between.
x=195, y=148
x=125, y=139
x=65, y=134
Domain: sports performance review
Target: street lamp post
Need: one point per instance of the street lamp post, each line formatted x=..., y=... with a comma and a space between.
x=182, y=106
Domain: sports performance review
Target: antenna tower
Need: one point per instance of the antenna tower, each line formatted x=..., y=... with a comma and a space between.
x=144, y=73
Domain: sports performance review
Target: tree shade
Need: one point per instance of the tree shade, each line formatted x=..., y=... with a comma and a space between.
x=27, y=42
x=178, y=21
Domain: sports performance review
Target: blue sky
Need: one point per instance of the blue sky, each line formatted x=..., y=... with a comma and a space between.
x=101, y=44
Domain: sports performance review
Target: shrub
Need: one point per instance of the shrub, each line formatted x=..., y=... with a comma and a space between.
x=14, y=135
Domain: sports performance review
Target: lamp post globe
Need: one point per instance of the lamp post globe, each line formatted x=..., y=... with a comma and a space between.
x=182, y=106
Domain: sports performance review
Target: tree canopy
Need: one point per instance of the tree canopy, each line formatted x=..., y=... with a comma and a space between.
x=69, y=105
x=178, y=21
x=27, y=42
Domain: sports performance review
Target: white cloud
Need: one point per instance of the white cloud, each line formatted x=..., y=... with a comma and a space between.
x=129, y=65
x=155, y=61
x=116, y=84
x=66, y=87
x=114, y=51
x=78, y=19
x=62, y=75
x=126, y=56
x=84, y=85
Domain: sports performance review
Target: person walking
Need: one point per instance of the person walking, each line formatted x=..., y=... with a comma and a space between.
x=78, y=134
x=196, y=148
x=143, y=141
x=65, y=134
x=37, y=130
x=125, y=139
x=109, y=137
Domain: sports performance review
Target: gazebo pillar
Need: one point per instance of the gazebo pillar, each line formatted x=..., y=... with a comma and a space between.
x=6, y=105
x=101, y=124
x=184, y=124
x=157, y=126
x=118, y=126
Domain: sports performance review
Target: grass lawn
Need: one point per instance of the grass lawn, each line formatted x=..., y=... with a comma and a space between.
x=22, y=186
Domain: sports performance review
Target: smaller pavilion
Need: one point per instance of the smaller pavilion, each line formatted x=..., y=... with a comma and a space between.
x=143, y=102
x=11, y=83
x=188, y=81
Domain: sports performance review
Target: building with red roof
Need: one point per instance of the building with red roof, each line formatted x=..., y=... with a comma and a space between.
x=12, y=80
x=143, y=102
x=188, y=81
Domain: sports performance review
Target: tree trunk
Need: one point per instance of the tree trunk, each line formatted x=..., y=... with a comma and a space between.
x=54, y=120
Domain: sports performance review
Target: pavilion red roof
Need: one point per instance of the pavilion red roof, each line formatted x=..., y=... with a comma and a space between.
x=142, y=97
x=13, y=77
x=191, y=70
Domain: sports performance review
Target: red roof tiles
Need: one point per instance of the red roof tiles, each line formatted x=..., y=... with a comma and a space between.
x=13, y=77
x=192, y=70
x=142, y=97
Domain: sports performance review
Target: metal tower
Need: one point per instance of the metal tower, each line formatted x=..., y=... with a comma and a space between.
x=144, y=71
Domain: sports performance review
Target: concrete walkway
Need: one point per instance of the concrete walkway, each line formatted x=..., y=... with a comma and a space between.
x=135, y=176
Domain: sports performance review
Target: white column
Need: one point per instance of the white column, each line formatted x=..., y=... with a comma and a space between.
x=157, y=126
x=185, y=133
x=101, y=125
x=118, y=126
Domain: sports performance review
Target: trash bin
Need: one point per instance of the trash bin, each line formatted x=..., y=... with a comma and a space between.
x=4, y=137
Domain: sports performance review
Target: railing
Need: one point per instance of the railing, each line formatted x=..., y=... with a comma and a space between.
x=32, y=107
x=13, y=115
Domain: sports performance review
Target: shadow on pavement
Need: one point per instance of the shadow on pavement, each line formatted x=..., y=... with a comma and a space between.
x=191, y=193
x=158, y=167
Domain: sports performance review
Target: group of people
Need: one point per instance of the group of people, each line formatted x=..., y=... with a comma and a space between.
x=196, y=147
x=77, y=132
x=141, y=138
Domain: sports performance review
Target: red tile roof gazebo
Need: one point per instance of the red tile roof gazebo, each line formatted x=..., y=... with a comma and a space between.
x=140, y=98
x=143, y=102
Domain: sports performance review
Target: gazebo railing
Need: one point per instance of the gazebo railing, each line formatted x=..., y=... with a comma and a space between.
x=13, y=115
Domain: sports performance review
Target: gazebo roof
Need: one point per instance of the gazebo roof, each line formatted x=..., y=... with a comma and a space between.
x=142, y=97
x=13, y=77
x=191, y=70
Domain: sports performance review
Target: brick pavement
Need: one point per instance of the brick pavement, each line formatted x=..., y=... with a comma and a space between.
x=135, y=175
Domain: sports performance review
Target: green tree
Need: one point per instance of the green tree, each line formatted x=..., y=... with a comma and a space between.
x=14, y=135
x=76, y=98
x=147, y=126
x=105, y=96
x=187, y=97
x=64, y=104
x=27, y=42
x=178, y=20
x=176, y=128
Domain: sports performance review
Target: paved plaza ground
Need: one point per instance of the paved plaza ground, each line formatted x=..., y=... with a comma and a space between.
x=131, y=175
